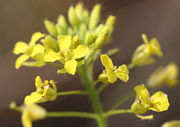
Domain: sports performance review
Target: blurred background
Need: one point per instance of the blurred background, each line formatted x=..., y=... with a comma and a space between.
x=20, y=18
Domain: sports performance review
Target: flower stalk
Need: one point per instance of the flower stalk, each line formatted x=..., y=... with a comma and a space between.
x=87, y=79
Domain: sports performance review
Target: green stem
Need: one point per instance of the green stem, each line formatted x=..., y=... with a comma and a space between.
x=74, y=92
x=72, y=114
x=122, y=100
x=102, y=87
x=55, y=65
x=116, y=112
x=87, y=79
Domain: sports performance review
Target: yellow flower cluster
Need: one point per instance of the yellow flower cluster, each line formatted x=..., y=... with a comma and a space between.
x=67, y=44
x=143, y=55
x=157, y=102
x=45, y=91
x=164, y=76
x=111, y=72
x=78, y=41
x=83, y=23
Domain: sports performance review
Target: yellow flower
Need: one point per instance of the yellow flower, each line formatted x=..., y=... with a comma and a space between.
x=70, y=54
x=46, y=91
x=173, y=123
x=111, y=72
x=164, y=75
x=31, y=50
x=157, y=102
x=30, y=113
x=143, y=55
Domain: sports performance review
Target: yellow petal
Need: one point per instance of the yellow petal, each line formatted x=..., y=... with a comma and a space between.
x=51, y=56
x=50, y=43
x=137, y=108
x=149, y=117
x=64, y=42
x=38, y=82
x=103, y=78
x=81, y=51
x=111, y=76
x=20, y=60
x=35, y=37
x=33, y=98
x=53, y=84
x=37, y=49
x=49, y=94
x=20, y=47
x=35, y=112
x=122, y=73
x=159, y=102
x=39, y=58
x=142, y=93
x=107, y=62
x=155, y=47
x=70, y=66
x=26, y=120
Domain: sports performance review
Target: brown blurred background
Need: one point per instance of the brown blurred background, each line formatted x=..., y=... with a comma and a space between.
x=20, y=18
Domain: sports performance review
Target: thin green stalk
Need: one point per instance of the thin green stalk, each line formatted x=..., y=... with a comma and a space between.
x=55, y=65
x=74, y=92
x=72, y=114
x=130, y=66
x=87, y=79
x=122, y=100
x=116, y=112
x=102, y=87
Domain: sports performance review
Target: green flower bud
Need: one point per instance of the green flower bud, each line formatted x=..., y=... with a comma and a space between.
x=102, y=37
x=110, y=22
x=95, y=17
x=73, y=17
x=61, y=25
x=173, y=123
x=51, y=27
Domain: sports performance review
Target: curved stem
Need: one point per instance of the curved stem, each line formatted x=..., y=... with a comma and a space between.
x=74, y=92
x=72, y=114
x=122, y=100
x=116, y=112
x=102, y=87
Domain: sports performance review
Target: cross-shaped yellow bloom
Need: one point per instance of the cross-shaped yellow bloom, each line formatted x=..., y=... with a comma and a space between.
x=157, y=102
x=31, y=50
x=46, y=91
x=143, y=54
x=70, y=54
x=111, y=72
x=30, y=113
